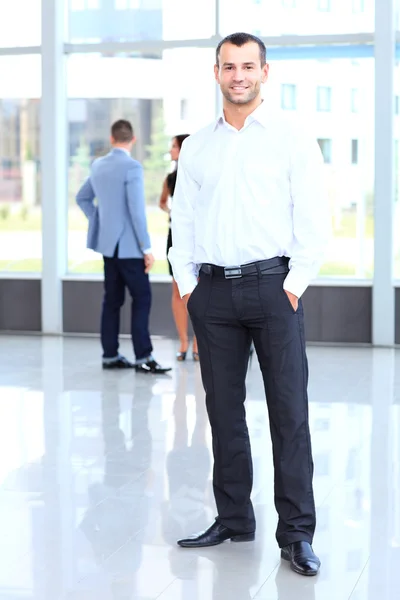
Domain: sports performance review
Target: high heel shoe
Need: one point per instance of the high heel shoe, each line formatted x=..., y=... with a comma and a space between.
x=181, y=356
x=196, y=357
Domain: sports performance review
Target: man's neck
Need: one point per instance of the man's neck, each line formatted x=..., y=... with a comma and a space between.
x=125, y=147
x=236, y=114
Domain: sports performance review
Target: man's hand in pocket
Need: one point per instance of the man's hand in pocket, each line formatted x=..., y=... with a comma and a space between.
x=294, y=301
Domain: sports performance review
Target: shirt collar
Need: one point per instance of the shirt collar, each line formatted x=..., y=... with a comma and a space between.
x=260, y=114
x=122, y=150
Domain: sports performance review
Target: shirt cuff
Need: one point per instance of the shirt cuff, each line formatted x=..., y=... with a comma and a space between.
x=187, y=285
x=296, y=282
x=148, y=251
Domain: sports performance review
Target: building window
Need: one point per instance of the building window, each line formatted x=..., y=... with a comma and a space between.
x=355, y=100
x=354, y=152
x=326, y=149
x=324, y=99
x=397, y=105
x=85, y=5
x=184, y=109
x=289, y=96
x=324, y=5
x=77, y=5
x=396, y=169
x=126, y=4
x=358, y=6
x=322, y=465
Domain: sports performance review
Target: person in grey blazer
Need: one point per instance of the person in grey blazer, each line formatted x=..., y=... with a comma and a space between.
x=118, y=230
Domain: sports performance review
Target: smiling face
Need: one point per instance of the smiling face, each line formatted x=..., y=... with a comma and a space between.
x=240, y=73
x=175, y=149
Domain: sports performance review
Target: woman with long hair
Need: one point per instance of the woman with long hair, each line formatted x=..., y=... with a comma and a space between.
x=178, y=306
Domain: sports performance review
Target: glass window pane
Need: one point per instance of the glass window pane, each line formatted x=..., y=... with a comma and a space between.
x=152, y=94
x=396, y=229
x=397, y=14
x=326, y=149
x=354, y=152
x=324, y=98
x=139, y=20
x=20, y=193
x=289, y=92
x=16, y=31
x=285, y=17
x=346, y=140
x=355, y=99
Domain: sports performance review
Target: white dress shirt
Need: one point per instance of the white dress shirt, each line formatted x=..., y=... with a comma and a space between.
x=250, y=195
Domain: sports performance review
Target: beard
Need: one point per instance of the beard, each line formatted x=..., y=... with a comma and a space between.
x=246, y=98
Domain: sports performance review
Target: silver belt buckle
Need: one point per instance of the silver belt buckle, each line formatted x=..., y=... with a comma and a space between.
x=232, y=272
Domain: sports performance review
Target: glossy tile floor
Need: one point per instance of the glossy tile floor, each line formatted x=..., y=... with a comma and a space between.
x=101, y=472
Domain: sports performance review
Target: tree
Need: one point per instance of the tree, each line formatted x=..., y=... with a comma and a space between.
x=79, y=169
x=156, y=164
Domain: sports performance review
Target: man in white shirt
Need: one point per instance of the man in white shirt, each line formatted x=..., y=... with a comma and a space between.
x=250, y=224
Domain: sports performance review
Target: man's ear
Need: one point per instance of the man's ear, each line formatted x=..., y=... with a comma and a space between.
x=216, y=73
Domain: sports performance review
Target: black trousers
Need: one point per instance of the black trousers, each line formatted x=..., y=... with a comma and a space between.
x=121, y=273
x=226, y=315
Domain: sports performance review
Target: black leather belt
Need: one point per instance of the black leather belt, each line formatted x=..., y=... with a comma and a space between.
x=279, y=264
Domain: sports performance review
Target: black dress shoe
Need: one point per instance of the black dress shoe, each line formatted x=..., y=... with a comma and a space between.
x=151, y=366
x=120, y=363
x=302, y=558
x=214, y=535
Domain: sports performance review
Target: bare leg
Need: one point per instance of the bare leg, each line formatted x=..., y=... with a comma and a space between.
x=181, y=317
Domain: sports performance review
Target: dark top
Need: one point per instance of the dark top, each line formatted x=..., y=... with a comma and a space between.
x=171, y=182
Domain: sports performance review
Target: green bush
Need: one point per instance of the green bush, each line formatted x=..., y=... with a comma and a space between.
x=4, y=212
x=24, y=212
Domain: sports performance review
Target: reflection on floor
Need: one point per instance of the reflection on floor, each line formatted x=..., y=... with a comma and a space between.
x=101, y=472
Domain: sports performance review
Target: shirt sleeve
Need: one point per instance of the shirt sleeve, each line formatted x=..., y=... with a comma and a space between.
x=311, y=215
x=181, y=254
x=137, y=206
x=85, y=198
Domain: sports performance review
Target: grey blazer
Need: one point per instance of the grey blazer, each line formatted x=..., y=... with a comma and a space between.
x=116, y=181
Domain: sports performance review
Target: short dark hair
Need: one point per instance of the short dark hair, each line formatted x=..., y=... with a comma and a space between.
x=122, y=131
x=240, y=39
x=180, y=138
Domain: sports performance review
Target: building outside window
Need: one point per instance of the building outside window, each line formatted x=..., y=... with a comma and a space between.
x=326, y=149
x=358, y=6
x=354, y=152
x=324, y=98
x=288, y=96
x=355, y=100
x=324, y=5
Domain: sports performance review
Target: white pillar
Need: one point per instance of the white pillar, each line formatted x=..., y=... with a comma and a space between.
x=383, y=307
x=217, y=17
x=54, y=164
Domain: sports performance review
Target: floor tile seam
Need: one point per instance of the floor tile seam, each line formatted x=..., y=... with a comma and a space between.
x=174, y=579
x=268, y=578
x=85, y=577
x=360, y=577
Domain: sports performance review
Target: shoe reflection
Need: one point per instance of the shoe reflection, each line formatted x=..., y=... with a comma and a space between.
x=289, y=585
x=188, y=462
x=119, y=505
